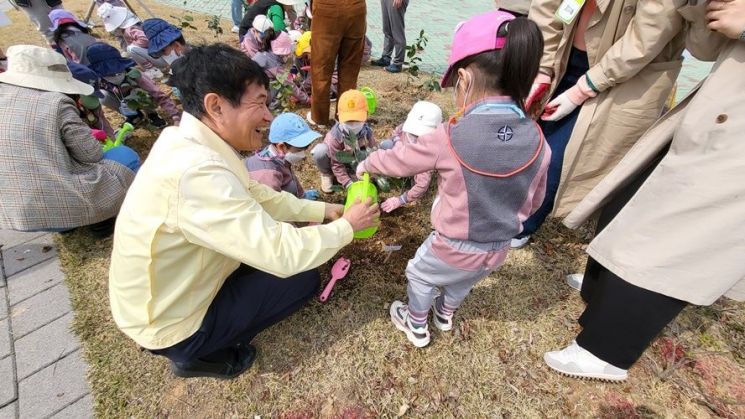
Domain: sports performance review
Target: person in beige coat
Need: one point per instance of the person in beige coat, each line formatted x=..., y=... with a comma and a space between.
x=672, y=213
x=609, y=72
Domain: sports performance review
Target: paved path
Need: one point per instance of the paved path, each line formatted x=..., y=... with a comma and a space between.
x=42, y=373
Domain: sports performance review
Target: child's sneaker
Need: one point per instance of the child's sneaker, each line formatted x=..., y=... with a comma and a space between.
x=419, y=336
x=442, y=321
x=327, y=183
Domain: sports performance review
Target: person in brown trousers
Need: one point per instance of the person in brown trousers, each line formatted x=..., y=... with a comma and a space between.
x=338, y=28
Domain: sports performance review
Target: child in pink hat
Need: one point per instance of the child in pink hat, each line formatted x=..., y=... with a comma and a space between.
x=491, y=160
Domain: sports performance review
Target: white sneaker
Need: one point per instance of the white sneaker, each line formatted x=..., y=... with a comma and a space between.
x=419, y=336
x=327, y=183
x=577, y=362
x=519, y=243
x=575, y=281
x=442, y=321
x=234, y=29
x=153, y=73
x=312, y=122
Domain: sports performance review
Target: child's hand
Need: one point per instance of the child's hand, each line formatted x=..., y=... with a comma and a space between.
x=391, y=204
x=360, y=169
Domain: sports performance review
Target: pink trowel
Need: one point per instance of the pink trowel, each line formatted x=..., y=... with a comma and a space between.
x=338, y=271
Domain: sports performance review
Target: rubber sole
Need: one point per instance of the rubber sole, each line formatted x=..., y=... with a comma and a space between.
x=595, y=377
x=419, y=343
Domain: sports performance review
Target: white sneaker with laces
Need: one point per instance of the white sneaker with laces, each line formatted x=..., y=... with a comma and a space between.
x=442, y=321
x=577, y=362
x=419, y=336
x=327, y=183
x=519, y=243
x=312, y=122
x=234, y=29
x=575, y=281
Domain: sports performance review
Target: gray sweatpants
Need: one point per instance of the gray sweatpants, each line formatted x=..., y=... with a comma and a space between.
x=38, y=13
x=320, y=154
x=144, y=60
x=394, y=30
x=426, y=273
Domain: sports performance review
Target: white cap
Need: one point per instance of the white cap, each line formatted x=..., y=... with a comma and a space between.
x=291, y=2
x=424, y=117
x=261, y=23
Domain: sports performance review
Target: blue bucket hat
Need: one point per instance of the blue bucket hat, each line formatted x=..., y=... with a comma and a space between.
x=291, y=129
x=106, y=60
x=160, y=34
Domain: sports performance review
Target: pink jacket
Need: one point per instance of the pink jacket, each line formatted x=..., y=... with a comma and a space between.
x=492, y=166
x=421, y=180
x=134, y=35
x=274, y=172
x=334, y=140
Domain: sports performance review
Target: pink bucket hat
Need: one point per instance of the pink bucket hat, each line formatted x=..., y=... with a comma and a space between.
x=282, y=44
x=474, y=36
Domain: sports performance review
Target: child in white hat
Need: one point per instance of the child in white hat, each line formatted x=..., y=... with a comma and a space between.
x=423, y=119
x=259, y=37
x=127, y=28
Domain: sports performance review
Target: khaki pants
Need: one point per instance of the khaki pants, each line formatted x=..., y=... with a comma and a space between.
x=338, y=28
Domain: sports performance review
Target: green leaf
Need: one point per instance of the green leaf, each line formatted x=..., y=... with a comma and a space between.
x=383, y=184
x=344, y=157
x=188, y=18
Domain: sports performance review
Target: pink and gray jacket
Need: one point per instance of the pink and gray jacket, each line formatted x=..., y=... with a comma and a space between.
x=334, y=140
x=492, y=166
x=273, y=171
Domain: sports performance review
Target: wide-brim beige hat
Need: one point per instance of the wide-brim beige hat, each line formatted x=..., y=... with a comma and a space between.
x=42, y=69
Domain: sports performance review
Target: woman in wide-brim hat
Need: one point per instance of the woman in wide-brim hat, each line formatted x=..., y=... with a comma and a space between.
x=53, y=173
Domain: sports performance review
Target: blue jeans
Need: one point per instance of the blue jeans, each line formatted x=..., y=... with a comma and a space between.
x=557, y=135
x=124, y=155
x=236, y=11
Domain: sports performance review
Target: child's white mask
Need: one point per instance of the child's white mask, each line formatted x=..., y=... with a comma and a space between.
x=171, y=57
x=294, y=157
x=116, y=79
x=354, y=127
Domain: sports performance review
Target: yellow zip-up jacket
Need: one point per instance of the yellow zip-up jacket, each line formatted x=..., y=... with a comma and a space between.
x=190, y=218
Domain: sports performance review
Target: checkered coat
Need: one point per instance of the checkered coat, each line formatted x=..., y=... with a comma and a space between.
x=52, y=172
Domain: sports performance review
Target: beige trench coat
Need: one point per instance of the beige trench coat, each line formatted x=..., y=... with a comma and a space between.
x=634, y=50
x=683, y=233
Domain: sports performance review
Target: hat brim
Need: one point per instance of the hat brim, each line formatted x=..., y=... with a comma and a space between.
x=111, y=67
x=303, y=140
x=70, y=87
x=416, y=128
x=353, y=116
x=163, y=39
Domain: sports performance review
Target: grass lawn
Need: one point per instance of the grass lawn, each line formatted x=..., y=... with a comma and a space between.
x=345, y=359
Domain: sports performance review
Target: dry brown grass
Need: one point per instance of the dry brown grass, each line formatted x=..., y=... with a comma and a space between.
x=345, y=359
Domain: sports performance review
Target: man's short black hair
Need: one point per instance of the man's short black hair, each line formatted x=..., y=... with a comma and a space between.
x=216, y=68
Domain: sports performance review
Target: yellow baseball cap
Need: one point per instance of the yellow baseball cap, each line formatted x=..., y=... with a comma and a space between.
x=303, y=44
x=352, y=106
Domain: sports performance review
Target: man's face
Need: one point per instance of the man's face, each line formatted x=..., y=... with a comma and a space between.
x=243, y=126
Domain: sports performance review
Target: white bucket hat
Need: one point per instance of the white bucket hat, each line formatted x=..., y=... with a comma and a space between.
x=424, y=117
x=291, y=2
x=116, y=17
x=42, y=69
x=261, y=23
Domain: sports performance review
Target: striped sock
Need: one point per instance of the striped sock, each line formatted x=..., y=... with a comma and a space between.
x=418, y=319
x=443, y=308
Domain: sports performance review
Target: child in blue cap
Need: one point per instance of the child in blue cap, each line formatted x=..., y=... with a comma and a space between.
x=289, y=136
x=165, y=40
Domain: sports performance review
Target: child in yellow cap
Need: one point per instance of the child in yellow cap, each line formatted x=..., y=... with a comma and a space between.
x=350, y=134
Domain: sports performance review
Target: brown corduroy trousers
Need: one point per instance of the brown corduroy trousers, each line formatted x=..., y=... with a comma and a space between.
x=338, y=28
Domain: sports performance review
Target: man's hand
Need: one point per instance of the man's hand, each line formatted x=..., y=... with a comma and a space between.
x=398, y=3
x=333, y=212
x=727, y=17
x=363, y=215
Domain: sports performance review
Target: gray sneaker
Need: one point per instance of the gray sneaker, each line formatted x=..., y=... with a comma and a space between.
x=419, y=336
x=575, y=281
x=441, y=320
x=577, y=362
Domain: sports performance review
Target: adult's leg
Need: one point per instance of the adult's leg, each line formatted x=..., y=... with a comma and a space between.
x=325, y=44
x=38, y=13
x=624, y=320
x=385, y=6
x=351, y=50
x=398, y=31
x=236, y=11
x=248, y=302
x=557, y=135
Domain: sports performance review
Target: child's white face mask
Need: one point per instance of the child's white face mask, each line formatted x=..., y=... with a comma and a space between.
x=354, y=127
x=171, y=57
x=294, y=156
x=116, y=79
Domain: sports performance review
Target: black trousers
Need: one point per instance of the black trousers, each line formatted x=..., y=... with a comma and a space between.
x=248, y=302
x=621, y=319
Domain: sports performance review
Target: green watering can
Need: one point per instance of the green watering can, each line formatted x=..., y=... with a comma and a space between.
x=371, y=98
x=362, y=189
